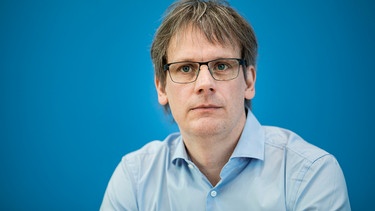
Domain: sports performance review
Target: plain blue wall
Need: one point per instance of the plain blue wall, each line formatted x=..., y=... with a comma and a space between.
x=76, y=88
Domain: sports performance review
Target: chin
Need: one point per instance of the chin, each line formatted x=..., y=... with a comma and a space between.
x=207, y=127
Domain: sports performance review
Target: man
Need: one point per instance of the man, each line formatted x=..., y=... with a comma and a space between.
x=204, y=56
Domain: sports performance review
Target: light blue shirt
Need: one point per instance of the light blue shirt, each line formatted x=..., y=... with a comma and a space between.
x=270, y=169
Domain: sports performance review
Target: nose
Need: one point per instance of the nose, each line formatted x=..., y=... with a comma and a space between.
x=205, y=83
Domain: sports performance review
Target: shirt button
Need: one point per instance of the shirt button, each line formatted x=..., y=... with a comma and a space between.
x=190, y=166
x=213, y=193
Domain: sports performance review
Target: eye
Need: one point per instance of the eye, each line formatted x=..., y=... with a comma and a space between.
x=185, y=69
x=221, y=66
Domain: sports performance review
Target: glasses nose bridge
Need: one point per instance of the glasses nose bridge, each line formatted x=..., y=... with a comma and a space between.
x=199, y=69
x=203, y=63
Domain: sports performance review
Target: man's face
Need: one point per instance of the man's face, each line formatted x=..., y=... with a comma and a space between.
x=205, y=107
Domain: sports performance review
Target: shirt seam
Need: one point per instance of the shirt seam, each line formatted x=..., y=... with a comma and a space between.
x=303, y=175
x=132, y=175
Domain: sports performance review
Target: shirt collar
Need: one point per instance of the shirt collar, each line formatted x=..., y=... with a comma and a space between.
x=250, y=144
x=179, y=151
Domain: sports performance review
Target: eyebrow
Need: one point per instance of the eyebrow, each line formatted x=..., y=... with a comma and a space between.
x=188, y=59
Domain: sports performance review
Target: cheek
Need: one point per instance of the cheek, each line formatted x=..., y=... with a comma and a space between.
x=236, y=94
x=174, y=95
x=176, y=104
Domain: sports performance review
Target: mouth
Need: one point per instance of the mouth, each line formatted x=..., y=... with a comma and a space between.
x=207, y=107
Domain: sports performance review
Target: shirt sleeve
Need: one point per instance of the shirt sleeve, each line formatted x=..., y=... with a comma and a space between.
x=120, y=193
x=323, y=187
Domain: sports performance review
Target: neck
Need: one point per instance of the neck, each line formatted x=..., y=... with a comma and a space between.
x=211, y=153
x=210, y=160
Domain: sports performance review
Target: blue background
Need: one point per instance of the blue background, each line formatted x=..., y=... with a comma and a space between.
x=77, y=92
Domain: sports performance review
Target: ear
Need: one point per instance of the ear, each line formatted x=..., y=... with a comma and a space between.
x=162, y=96
x=250, y=82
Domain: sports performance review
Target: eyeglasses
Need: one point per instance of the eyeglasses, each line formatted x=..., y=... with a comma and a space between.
x=220, y=69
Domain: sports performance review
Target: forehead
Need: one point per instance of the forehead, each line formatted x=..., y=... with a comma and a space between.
x=191, y=43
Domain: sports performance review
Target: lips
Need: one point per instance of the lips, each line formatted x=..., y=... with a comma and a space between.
x=206, y=107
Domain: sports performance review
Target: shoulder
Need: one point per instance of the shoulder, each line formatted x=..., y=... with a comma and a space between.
x=292, y=144
x=313, y=176
x=124, y=186
x=151, y=152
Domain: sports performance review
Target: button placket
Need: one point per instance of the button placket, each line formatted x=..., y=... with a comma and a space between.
x=213, y=193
